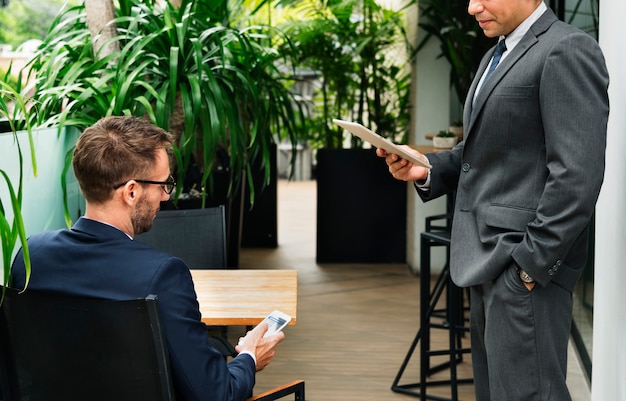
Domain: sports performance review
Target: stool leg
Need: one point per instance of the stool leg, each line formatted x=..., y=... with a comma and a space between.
x=425, y=309
x=452, y=337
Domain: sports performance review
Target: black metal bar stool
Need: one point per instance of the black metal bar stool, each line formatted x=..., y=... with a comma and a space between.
x=452, y=319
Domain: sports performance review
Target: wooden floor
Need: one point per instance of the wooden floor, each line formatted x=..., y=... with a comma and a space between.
x=355, y=322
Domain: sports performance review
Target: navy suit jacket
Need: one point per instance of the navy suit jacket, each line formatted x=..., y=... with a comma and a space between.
x=97, y=260
x=531, y=165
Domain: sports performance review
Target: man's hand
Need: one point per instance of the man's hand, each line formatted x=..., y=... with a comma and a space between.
x=401, y=169
x=262, y=348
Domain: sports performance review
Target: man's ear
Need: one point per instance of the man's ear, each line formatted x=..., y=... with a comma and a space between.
x=131, y=193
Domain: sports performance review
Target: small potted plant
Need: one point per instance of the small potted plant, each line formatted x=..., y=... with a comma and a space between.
x=444, y=139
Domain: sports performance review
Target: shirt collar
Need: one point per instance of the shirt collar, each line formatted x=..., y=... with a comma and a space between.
x=518, y=33
x=91, y=226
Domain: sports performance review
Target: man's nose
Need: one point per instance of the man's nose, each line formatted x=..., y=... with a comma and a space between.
x=475, y=7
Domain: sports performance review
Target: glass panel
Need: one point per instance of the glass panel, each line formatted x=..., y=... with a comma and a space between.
x=583, y=14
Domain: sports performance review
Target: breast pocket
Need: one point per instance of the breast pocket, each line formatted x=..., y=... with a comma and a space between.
x=518, y=92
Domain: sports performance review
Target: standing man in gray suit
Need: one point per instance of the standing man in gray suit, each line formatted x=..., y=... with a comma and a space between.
x=527, y=177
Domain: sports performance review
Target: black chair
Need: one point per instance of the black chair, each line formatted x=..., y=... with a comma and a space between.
x=198, y=236
x=63, y=348
x=56, y=347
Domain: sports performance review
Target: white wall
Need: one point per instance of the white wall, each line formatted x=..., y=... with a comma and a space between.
x=609, y=313
x=431, y=113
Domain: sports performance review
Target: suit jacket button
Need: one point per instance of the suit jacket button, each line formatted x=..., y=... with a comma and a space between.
x=550, y=272
x=466, y=167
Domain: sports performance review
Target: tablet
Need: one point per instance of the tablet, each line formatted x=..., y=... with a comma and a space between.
x=378, y=141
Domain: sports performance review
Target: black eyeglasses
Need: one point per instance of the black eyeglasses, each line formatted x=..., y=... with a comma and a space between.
x=167, y=186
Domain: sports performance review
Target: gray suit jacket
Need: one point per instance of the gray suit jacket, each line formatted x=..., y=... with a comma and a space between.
x=529, y=170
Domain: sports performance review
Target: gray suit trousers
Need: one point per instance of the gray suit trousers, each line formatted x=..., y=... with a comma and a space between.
x=521, y=354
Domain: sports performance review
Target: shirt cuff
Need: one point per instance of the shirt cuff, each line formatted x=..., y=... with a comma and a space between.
x=424, y=185
x=251, y=355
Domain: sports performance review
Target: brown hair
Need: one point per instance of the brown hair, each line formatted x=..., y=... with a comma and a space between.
x=115, y=150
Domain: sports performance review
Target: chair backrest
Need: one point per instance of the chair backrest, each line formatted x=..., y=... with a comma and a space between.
x=198, y=236
x=56, y=347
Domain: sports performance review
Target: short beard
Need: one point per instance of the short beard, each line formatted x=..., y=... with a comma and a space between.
x=144, y=216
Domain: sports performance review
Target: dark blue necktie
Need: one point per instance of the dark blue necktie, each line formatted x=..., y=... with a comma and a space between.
x=497, y=55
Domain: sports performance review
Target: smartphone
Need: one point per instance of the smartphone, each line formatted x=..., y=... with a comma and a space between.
x=276, y=321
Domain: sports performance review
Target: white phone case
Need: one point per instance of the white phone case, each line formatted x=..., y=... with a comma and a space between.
x=276, y=321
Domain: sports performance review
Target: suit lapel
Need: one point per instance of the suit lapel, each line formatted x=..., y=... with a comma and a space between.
x=472, y=109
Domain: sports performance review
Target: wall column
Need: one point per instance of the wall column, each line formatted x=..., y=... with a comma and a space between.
x=609, y=325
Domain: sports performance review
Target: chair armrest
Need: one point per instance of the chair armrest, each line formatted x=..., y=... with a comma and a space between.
x=296, y=388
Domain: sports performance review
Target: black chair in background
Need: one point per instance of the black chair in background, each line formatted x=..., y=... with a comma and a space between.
x=198, y=236
x=62, y=348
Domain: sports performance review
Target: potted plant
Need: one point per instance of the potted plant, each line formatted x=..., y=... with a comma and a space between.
x=445, y=139
x=12, y=112
x=216, y=87
x=352, y=47
x=359, y=50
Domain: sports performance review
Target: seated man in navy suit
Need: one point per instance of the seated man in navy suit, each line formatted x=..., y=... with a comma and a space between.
x=123, y=167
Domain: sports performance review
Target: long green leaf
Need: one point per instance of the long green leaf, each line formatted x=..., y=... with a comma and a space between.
x=66, y=168
x=17, y=230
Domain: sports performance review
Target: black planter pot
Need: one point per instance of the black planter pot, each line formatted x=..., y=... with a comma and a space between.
x=361, y=209
x=260, y=222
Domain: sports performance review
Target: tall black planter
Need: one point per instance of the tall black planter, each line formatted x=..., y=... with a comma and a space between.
x=260, y=222
x=361, y=209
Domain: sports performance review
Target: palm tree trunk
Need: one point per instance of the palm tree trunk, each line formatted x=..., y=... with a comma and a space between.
x=100, y=13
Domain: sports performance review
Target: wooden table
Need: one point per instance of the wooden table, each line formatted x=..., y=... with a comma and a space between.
x=241, y=297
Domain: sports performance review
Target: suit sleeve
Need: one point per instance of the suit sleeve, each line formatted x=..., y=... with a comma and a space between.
x=444, y=174
x=200, y=372
x=574, y=109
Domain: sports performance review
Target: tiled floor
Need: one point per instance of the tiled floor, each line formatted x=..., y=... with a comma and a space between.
x=355, y=322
